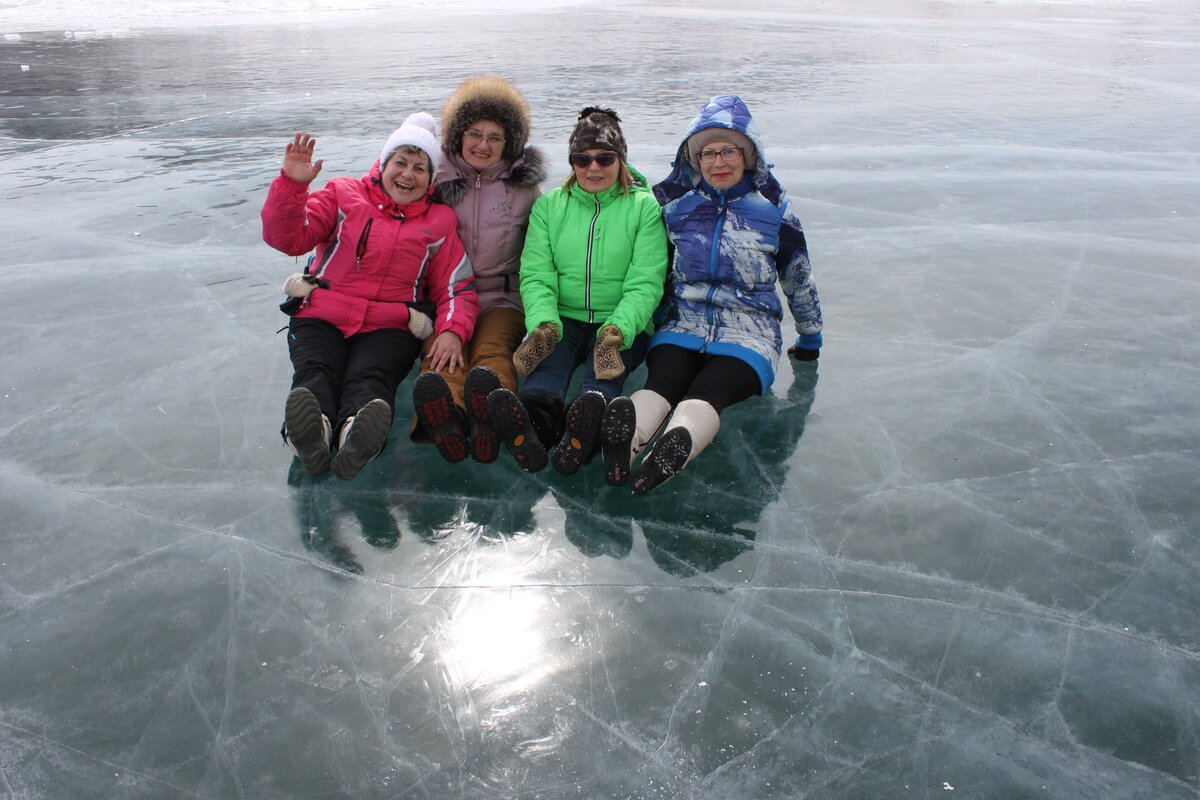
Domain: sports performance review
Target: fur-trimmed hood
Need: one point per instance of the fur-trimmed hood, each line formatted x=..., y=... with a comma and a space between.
x=487, y=97
x=528, y=171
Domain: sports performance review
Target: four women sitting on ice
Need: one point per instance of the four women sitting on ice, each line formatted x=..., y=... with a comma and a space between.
x=538, y=284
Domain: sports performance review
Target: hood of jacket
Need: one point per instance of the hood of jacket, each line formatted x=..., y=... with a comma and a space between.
x=723, y=111
x=491, y=98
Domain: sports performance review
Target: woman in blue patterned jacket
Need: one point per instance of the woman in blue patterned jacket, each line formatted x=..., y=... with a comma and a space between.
x=735, y=238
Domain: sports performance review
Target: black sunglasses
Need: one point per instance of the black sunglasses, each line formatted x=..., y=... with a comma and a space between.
x=583, y=160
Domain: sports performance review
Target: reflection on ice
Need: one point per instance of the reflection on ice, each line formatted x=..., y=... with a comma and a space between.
x=498, y=637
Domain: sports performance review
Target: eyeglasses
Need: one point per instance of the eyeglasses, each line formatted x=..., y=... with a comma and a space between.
x=479, y=136
x=727, y=155
x=583, y=160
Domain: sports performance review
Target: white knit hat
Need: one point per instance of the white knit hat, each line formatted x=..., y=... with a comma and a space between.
x=419, y=130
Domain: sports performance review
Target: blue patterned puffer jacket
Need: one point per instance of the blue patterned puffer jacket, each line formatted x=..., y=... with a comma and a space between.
x=731, y=248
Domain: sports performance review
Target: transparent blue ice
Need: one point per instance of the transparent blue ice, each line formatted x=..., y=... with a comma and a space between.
x=957, y=559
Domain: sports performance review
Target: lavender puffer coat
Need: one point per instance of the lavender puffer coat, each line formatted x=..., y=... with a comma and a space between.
x=493, y=215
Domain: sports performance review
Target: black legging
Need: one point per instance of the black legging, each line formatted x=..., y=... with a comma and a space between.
x=680, y=374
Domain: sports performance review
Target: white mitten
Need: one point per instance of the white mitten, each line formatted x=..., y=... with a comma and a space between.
x=296, y=286
x=420, y=324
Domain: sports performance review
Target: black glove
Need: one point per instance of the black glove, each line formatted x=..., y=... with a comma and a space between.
x=807, y=347
x=803, y=353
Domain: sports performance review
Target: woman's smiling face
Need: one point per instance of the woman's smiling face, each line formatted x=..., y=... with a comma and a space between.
x=406, y=177
x=595, y=178
x=722, y=164
x=483, y=144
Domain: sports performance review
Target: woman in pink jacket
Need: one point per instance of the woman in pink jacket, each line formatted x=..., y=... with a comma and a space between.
x=381, y=246
x=491, y=178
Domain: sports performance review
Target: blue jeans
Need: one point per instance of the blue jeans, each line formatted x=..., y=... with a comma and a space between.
x=552, y=377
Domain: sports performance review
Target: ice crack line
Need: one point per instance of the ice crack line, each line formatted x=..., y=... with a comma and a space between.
x=110, y=764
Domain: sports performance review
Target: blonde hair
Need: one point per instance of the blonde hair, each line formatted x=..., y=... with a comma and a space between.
x=624, y=178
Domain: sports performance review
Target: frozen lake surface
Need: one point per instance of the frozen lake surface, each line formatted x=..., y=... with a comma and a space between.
x=958, y=559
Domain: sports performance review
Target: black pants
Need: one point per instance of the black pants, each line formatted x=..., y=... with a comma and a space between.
x=680, y=374
x=346, y=373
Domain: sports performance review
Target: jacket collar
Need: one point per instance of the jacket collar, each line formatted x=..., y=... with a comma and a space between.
x=461, y=169
x=587, y=198
x=740, y=189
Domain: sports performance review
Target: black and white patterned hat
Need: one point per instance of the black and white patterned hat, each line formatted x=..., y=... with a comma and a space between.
x=598, y=128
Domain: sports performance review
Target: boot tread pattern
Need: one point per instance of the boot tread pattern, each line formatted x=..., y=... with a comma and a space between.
x=439, y=417
x=511, y=424
x=669, y=455
x=305, y=429
x=481, y=382
x=582, y=433
x=367, y=435
x=616, y=437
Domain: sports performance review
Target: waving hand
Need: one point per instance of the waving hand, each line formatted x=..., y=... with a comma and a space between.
x=297, y=159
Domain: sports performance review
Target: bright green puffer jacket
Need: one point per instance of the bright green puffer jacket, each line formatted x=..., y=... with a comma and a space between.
x=599, y=258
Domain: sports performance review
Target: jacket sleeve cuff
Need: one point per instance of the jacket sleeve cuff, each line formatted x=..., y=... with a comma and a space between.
x=453, y=326
x=626, y=337
x=291, y=184
x=556, y=322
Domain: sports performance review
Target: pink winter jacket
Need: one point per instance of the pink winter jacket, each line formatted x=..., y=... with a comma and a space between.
x=376, y=255
x=493, y=215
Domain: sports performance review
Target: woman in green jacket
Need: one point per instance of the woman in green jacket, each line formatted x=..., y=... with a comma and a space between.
x=592, y=274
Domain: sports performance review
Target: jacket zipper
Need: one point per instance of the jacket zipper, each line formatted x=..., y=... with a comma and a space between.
x=475, y=229
x=361, y=249
x=587, y=272
x=714, y=252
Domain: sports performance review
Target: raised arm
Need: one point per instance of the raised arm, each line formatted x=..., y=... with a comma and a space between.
x=294, y=221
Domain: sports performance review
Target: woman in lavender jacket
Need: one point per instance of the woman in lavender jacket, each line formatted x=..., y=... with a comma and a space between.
x=491, y=178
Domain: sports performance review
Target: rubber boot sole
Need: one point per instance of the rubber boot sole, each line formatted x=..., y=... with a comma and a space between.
x=582, y=433
x=511, y=423
x=367, y=436
x=481, y=382
x=616, y=440
x=305, y=430
x=437, y=414
x=669, y=455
